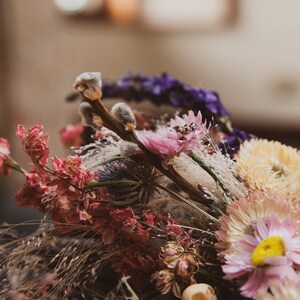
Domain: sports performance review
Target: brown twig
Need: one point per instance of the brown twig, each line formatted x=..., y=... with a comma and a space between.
x=91, y=93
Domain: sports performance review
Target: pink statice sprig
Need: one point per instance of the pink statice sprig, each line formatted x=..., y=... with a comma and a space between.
x=35, y=143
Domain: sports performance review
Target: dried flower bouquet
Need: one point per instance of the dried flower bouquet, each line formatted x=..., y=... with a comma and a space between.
x=147, y=208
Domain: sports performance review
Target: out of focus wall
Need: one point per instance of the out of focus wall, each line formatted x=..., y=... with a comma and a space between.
x=253, y=64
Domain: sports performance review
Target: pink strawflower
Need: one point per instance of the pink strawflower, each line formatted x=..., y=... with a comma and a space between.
x=158, y=143
x=35, y=143
x=244, y=212
x=4, y=155
x=190, y=129
x=182, y=135
x=273, y=251
x=72, y=169
x=71, y=135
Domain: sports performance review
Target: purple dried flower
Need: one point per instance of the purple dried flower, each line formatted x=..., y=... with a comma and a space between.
x=165, y=89
x=231, y=143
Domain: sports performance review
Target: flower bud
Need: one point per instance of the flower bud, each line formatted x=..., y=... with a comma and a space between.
x=89, y=84
x=124, y=115
x=88, y=116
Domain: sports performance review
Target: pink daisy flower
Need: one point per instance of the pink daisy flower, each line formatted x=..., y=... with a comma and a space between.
x=190, y=129
x=272, y=252
x=182, y=135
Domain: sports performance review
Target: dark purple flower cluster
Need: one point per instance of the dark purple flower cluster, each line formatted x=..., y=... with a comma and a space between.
x=231, y=143
x=165, y=89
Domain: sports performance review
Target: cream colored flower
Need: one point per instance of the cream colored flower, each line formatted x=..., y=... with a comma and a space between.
x=269, y=165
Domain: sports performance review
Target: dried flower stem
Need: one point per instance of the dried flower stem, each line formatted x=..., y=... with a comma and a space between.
x=111, y=123
x=206, y=168
x=12, y=164
x=48, y=170
x=188, y=202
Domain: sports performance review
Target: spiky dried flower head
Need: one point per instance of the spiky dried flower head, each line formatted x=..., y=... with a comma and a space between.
x=245, y=212
x=270, y=165
x=180, y=266
x=89, y=84
x=124, y=115
x=127, y=181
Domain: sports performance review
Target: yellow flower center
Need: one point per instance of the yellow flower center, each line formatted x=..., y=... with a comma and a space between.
x=271, y=246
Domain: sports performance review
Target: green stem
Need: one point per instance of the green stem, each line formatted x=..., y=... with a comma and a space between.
x=12, y=164
x=206, y=168
x=188, y=202
x=129, y=288
x=48, y=170
x=111, y=183
x=151, y=159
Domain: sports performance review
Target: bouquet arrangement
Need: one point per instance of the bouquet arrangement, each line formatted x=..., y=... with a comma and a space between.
x=154, y=208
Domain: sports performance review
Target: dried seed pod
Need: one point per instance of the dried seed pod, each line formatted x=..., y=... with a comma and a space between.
x=200, y=291
x=124, y=115
x=89, y=85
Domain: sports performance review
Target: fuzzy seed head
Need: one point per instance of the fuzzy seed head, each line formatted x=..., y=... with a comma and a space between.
x=89, y=85
x=124, y=115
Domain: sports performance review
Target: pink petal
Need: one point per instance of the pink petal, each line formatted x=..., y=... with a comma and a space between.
x=274, y=225
x=262, y=229
x=276, y=260
x=254, y=282
x=233, y=271
x=295, y=257
x=295, y=244
x=248, y=243
x=289, y=225
x=281, y=271
x=198, y=119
